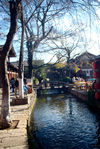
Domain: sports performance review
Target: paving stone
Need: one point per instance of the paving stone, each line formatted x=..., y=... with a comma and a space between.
x=1, y=146
x=18, y=147
x=14, y=131
x=17, y=138
x=14, y=141
x=4, y=136
x=3, y=131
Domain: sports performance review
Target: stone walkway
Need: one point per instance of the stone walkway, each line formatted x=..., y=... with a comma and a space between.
x=17, y=138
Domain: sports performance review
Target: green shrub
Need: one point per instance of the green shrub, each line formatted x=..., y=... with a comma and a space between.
x=36, y=81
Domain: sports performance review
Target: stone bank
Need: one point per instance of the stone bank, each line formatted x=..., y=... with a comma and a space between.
x=17, y=138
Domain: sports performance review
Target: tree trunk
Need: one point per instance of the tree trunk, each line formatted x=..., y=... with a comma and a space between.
x=21, y=60
x=30, y=58
x=68, y=66
x=5, y=108
x=5, y=120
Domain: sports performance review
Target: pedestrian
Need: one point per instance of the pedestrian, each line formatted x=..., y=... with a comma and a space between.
x=25, y=81
x=12, y=81
x=26, y=87
x=16, y=86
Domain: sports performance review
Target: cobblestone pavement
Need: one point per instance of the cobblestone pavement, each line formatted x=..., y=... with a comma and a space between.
x=17, y=138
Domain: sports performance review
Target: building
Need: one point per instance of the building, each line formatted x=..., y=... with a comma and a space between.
x=12, y=70
x=84, y=64
x=36, y=64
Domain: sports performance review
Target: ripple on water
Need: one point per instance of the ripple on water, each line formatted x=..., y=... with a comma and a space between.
x=65, y=123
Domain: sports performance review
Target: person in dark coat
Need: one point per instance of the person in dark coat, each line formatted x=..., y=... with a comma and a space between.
x=16, y=86
x=25, y=81
x=12, y=82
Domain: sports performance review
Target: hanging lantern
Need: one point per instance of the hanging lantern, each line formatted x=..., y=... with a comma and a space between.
x=96, y=74
x=97, y=86
x=95, y=66
x=97, y=95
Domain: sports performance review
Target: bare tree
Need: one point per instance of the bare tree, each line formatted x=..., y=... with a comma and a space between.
x=64, y=50
x=76, y=10
x=5, y=120
x=33, y=40
x=41, y=25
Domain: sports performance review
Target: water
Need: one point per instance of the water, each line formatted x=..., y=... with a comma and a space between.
x=63, y=122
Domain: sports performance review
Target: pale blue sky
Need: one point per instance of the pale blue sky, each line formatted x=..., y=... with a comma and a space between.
x=90, y=37
x=91, y=34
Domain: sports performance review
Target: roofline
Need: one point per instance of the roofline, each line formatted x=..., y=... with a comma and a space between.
x=12, y=49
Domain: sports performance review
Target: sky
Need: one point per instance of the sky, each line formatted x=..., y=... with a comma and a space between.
x=90, y=37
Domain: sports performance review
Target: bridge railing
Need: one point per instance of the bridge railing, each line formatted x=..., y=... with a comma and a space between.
x=51, y=84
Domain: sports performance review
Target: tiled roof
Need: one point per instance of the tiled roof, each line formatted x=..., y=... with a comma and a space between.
x=11, y=53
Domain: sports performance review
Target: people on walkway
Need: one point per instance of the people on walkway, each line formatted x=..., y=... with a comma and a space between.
x=12, y=82
x=16, y=86
x=26, y=87
x=25, y=81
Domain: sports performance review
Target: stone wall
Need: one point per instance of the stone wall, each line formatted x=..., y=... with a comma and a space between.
x=31, y=103
x=80, y=94
x=0, y=105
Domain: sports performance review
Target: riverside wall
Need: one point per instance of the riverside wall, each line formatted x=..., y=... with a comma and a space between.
x=17, y=137
x=88, y=97
x=80, y=94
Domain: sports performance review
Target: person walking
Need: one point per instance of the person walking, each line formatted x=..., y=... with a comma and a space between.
x=16, y=86
x=26, y=87
x=12, y=81
x=25, y=81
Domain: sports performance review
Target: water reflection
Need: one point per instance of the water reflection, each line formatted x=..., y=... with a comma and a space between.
x=98, y=134
x=64, y=122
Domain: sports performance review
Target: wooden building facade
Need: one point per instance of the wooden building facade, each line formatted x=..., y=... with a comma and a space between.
x=12, y=70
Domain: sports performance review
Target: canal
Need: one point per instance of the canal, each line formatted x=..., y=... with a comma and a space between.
x=65, y=122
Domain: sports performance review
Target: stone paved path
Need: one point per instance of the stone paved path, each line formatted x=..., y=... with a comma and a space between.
x=17, y=138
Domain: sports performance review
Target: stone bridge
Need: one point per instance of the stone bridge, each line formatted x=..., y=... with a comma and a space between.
x=51, y=85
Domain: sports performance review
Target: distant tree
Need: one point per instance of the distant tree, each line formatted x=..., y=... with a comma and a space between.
x=41, y=32
x=60, y=65
x=64, y=50
x=81, y=17
x=39, y=70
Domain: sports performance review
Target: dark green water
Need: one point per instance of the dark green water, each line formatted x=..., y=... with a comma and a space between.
x=64, y=122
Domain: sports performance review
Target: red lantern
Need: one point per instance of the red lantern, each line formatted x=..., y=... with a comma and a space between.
x=97, y=95
x=96, y=75
x=95, y=66
x=97, y=86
